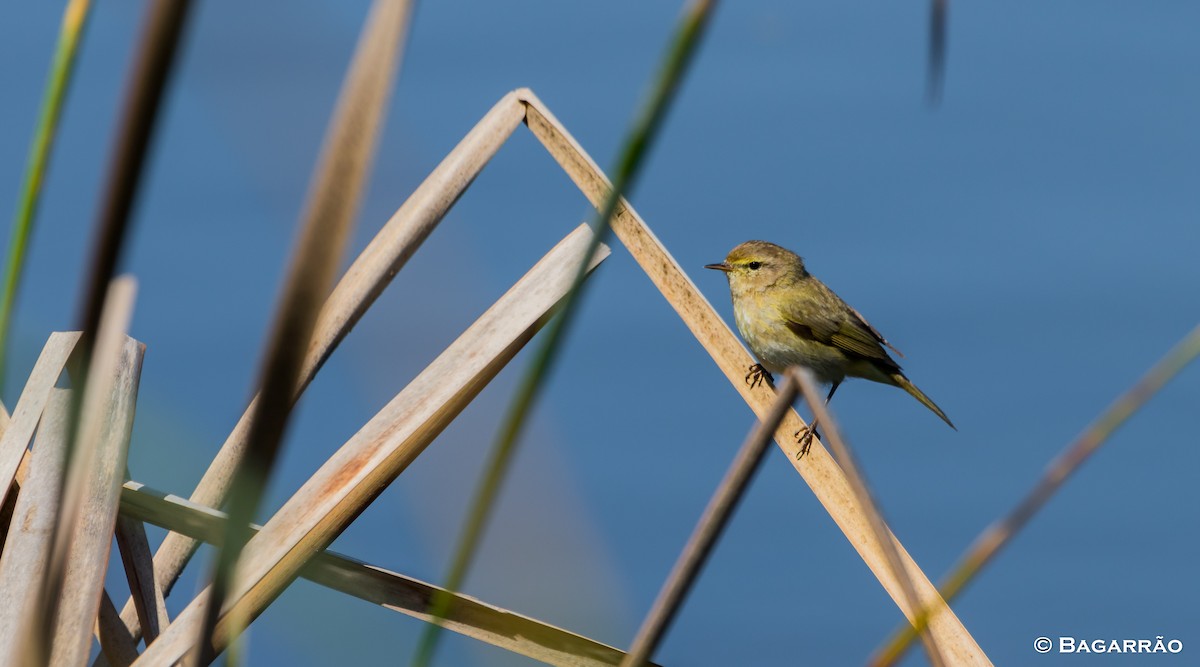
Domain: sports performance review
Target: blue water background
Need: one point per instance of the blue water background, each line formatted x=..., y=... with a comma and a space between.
x=1031, y=245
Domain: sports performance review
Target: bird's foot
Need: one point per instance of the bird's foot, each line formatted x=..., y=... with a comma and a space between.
x=759, y=375
x=804, y=438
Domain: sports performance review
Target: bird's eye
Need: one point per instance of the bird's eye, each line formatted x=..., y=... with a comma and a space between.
x=754, y=266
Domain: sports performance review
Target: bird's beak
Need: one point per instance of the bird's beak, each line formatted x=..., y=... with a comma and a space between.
x=719, y=267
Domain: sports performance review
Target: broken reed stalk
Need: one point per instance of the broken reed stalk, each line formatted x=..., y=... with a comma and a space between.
x=641, y=136
x=73, y=23
x=363, y=282
x=152, y=68
x=862, y=495
x=708, y=530
x=471, y=617
x=339, y=181
x=1000, y=533
x=63, y=612
x=818, y=469
x=349, y=480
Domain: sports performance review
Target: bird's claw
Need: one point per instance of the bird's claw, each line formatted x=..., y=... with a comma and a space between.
x=759, y=375
x=804, y=438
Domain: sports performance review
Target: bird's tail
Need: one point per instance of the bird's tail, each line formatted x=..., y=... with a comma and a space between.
x=911, y=388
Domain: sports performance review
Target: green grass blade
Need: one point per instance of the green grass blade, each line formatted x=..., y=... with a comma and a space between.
x=73, y=23
x=339, y=183
x=680, y=54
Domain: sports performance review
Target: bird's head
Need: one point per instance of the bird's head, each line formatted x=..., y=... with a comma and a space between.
x=756, y=265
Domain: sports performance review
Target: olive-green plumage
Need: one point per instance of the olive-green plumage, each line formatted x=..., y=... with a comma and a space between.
x=788, y=317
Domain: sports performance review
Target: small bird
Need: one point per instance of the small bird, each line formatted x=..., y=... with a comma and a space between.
x=790, y=318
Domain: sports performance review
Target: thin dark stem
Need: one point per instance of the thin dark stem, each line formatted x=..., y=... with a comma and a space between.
x=152, y=71
x=937, y=51
x=708, y=530
x=845, y=459
x=152, y=68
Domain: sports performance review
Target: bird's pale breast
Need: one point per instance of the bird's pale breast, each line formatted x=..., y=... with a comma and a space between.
x=765, y=330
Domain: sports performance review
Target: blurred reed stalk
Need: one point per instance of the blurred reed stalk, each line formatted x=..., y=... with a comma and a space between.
x=641, y=136
x=997, y=535
x=334, y=196
x=71, y=32
x=88, y=500
x=87, y=505
x=935, y=73
x=156, y=54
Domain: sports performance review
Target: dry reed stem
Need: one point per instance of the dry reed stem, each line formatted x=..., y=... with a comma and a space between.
x=862, y=495
x=97, y=489
x=712, y=523
x=469, y=616
x=383, y=448
x=59, y=629
x=27, y=547
x=32, y=403
x=334, y=196
x=138, y=561
x=818, y=469
x=363, y=282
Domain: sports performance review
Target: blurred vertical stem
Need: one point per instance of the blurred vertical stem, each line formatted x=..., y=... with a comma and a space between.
x=682, y=49
x=936, y=74
x=73, y=22
x=143, y=101
x=152, y=66
x=708, y=530
x=988, y=544
x=335, y=194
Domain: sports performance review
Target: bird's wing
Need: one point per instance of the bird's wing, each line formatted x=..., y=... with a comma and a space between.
x=821, y=316
x=874, y=332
